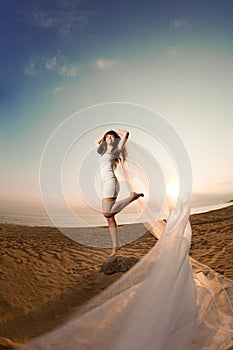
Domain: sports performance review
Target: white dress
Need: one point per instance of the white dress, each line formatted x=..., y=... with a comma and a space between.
x=109, y=184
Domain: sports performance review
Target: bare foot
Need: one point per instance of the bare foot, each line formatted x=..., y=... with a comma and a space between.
x=136, y=195
x=114, y=251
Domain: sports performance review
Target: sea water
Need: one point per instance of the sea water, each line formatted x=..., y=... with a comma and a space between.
x=63, y=221
x=93, y=220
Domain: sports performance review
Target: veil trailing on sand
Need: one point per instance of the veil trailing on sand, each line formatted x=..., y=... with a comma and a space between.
x=167, y=301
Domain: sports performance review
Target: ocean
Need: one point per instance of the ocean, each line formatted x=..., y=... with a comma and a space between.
x=63, y=221
x=83, y=221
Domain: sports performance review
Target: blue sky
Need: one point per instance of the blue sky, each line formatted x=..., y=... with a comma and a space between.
x=60, y=56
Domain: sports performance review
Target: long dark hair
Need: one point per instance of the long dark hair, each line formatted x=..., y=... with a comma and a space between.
x=119, y=155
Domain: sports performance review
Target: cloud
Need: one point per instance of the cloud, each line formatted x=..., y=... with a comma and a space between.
x=179, y=23
x=30, y=68
x=69, y=71
x=58, y=64
x=105, y=64
x=65, y=18
x=51, y=63
x=59, y=89
x=173, y=51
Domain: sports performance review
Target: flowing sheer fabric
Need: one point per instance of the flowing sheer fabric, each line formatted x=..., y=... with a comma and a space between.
x=167, y=301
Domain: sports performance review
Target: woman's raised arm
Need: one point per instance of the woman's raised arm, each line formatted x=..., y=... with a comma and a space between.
x=99, y=141
x=124, y=136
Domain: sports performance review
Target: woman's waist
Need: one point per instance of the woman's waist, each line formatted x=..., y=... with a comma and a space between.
x=108, y=176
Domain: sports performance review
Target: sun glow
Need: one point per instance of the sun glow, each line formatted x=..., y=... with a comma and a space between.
x=173, y=190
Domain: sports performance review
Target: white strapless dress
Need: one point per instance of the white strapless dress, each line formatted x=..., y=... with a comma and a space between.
x=109, y=184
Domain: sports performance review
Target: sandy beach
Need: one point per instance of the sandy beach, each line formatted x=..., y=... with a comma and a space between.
x=44, y=275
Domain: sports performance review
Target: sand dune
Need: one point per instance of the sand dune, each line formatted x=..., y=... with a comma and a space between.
x=44, y=275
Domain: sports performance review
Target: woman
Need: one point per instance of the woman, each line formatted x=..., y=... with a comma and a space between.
x=111, y=148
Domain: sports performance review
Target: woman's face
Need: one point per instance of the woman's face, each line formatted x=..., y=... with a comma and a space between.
x=109, y=139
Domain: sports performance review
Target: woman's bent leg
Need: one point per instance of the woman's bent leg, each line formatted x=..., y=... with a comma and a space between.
x=119, y=205
x=111, y=207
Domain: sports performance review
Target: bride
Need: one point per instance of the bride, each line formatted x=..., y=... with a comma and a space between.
x=111, y=148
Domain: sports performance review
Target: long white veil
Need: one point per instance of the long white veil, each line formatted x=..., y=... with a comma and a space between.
x=167, y=301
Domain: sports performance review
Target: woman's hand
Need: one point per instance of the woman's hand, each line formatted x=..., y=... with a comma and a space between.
x=122, y=132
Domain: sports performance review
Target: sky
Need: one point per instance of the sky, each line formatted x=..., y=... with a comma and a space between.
x=59, y=57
